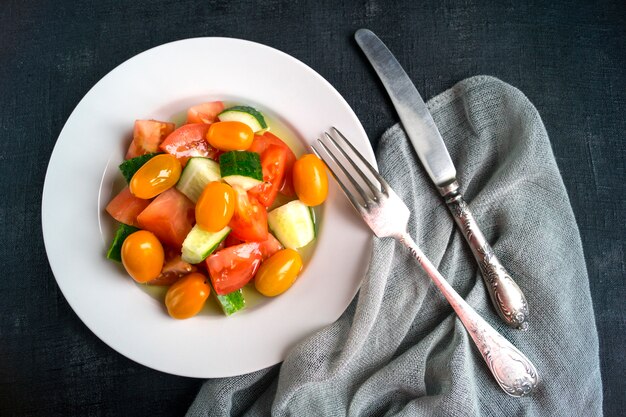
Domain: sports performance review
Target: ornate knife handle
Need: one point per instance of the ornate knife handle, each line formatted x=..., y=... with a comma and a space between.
x=506, y=296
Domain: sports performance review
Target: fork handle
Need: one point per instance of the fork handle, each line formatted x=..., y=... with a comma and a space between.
x=513, y=371
x=507, y=298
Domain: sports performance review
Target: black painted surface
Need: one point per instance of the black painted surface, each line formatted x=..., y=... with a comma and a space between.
x=568, y=58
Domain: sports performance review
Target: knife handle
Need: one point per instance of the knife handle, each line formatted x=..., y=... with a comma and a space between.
x=506, y=296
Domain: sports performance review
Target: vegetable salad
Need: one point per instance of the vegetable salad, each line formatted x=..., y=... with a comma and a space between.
x=200, y=212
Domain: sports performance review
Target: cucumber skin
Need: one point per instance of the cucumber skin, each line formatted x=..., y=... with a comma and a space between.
x=115, y=250
x=312, y=213
x=251, y=111
x=130, y=166
x=231, y=302
x=247, y=164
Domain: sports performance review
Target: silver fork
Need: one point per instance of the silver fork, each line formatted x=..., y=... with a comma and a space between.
x=387, y=216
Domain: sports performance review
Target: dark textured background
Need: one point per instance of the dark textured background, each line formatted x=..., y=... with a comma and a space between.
x=568, y=57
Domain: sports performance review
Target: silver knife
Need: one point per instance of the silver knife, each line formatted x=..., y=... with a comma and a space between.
x=419, y=126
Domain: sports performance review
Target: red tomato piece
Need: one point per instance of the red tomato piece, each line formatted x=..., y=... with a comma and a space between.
x=270, y=246
x=125, y=207
x=231, y=240
x=267, y=247
x=147, y=136
x=188, y=141
x=273, y=163
x=233, y=267
x=205, y=112
x=261, y=143
x=174, y=269
x=170, y=216
x=249, y=222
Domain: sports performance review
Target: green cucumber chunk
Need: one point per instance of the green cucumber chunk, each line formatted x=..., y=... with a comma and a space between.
x=241, y=168
x=115, y=251
x=199, y=243
x=130, y=166
x=244, y=114
x=231, y=302
x=292, y=224
x=198, y=172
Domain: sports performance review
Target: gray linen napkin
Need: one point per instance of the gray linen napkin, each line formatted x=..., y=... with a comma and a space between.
x=399, y=349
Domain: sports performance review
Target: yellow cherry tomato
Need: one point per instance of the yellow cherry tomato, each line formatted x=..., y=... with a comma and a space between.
x=310, y=180
x=230, y=136
x=142, y=256
x=278, y=272
x=186, y=297
x=215, y=207
x=155, y=176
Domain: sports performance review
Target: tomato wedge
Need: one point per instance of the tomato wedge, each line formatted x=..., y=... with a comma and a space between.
x=125, y=207
x=205, y=112
x=249, y=222
x=231, y=241
x=267, y=247
x=233, y=267
x=261, y=143
x=270, y=246
x=188, y=141
x=170, y=217
x=273, y=163
x=174, y=269
x=147, y=136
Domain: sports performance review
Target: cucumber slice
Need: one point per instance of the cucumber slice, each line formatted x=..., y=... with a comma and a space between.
x=199, y=244
x=130, y=166
x=242, y=169
x=122, y=232
x=231, y=302
x=197, y=174
x=292, y=224
x=244, y=114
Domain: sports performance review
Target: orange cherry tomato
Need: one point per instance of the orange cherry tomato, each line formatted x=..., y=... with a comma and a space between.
x=186, y=297
x=230, y=136
x=142, y=256
x=310, y=180
x=215, y=207
x=278, y=272
x=155, y=176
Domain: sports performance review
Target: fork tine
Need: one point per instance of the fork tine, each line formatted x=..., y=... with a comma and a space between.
x=347, y=192
x=356, y=185
x=370, y=184
x=380, y=179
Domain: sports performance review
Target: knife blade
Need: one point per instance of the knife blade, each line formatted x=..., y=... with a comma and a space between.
x=506, y=296
x=416, y=119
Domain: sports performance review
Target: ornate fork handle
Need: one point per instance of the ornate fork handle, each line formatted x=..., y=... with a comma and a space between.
x=513, y=371
x=506, y=296
x=385, y=213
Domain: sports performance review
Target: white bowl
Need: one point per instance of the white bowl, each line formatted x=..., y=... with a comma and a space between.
x=82, y=176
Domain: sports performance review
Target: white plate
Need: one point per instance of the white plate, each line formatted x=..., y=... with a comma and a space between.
x=81, y=176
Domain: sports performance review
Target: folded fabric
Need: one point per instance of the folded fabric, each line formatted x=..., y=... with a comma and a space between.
x=399, y=349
